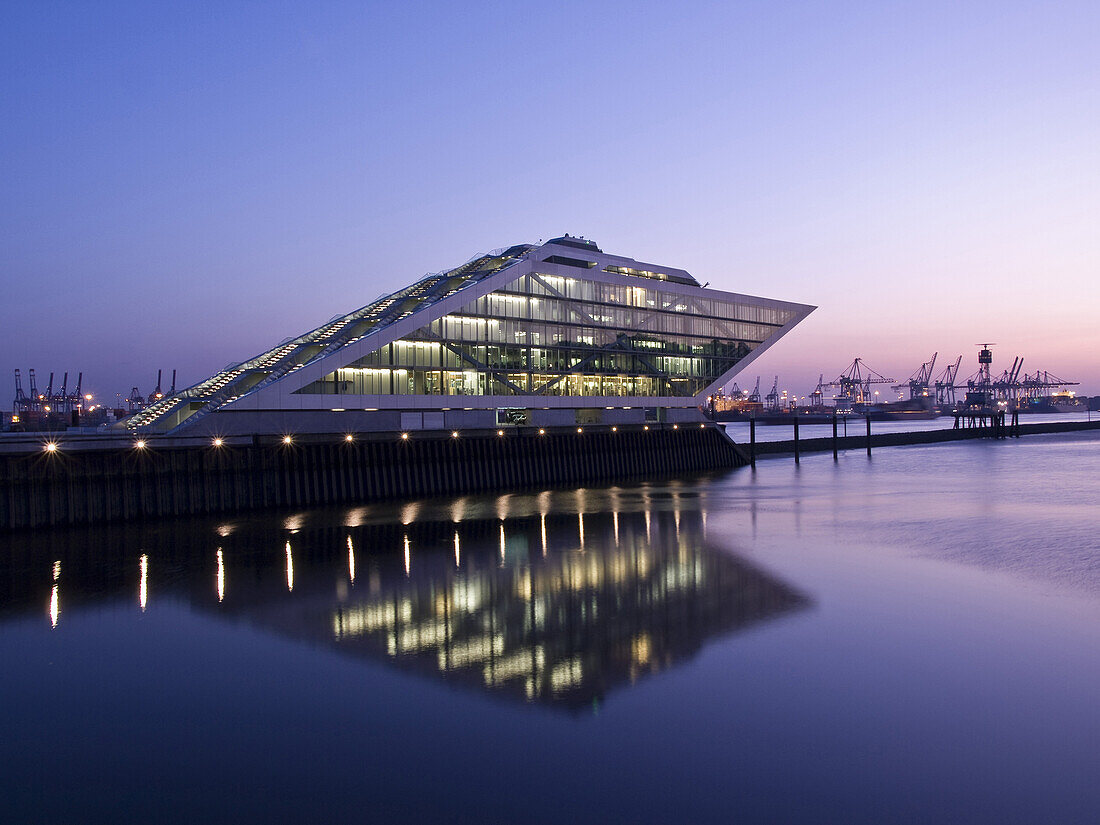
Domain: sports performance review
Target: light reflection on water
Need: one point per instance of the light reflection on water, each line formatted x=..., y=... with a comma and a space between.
x=910, y=637
x=547, y=607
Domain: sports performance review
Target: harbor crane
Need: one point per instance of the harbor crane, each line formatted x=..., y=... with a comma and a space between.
x=76, y=400
x=945, y=384
x=855, y=382
x=135, y=401
x=156, y=394
x=35, y=397
x=920, y=382
x=817, y=397
x=1008, y=389
x=754, y=396
x=772, y=398
x=21, y=402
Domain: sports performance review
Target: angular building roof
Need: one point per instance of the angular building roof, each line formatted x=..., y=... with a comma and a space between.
x=280, y=377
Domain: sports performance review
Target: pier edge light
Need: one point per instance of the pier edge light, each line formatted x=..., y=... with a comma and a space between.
x=404, y=436
x=675, y=426
x=218, y=442
x=542, y=431
x=702, y=426
x=50, y=447
x=349, y=438
x=454, y=433
x=580, y=429
x=646, y=427
x=288, y=439
x=614, y=429
x=500, y=432
x=140, y=445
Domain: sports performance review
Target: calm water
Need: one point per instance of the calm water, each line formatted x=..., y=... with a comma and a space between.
x=910, y=638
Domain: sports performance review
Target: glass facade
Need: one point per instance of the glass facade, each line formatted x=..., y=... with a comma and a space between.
x=547, y=335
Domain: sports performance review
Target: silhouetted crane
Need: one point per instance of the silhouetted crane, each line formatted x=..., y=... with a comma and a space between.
x=817, y=397
x=920, y=382
x=136, y=401
x=21, y=402
x=855, y=382
x=156, y=394
x=35, y=397
x=772, y=398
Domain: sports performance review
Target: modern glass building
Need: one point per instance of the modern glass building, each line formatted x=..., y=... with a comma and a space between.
x=556, y=333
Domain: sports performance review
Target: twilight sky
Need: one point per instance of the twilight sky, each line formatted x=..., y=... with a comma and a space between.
x=186, y=185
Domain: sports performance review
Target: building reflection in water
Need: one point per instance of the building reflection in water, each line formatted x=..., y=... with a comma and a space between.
x=550, y=603
x=566, y=627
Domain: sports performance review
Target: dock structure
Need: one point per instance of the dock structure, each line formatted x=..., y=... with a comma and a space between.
x=98, y=480
x=837, y=444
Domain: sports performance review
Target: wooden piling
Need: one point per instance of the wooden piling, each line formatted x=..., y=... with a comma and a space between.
x=752, y=440
x=796, y=437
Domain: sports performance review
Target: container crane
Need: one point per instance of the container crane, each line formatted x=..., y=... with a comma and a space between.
x=76, y=400
x=21, y=402
x=35, y=397
x=135, y=401
x=920, y=382
x=772, y=398
x=945, y=384
x=817, y=397
x=48, y=397
x=754, y=396
x=855, y=382
x=156, y=394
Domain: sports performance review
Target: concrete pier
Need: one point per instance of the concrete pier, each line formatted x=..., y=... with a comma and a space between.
x=94, y=480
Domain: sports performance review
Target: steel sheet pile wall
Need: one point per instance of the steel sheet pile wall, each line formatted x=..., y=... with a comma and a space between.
x=70, y=487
